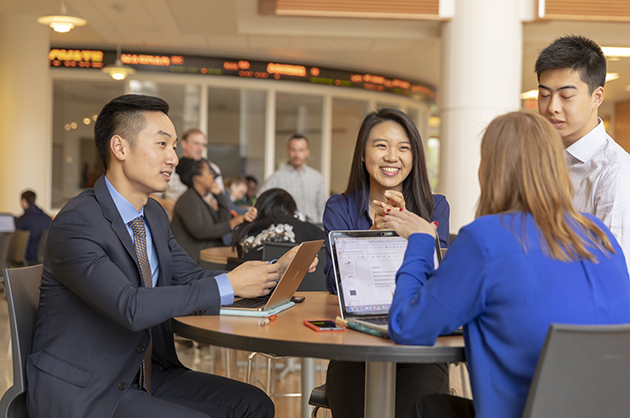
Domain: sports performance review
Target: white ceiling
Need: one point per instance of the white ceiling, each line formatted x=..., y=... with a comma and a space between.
x=234, y=28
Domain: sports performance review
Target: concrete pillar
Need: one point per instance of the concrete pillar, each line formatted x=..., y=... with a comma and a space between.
x=25, y=111
x=482, y=52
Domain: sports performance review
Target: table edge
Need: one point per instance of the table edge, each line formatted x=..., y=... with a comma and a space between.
x=345, y=352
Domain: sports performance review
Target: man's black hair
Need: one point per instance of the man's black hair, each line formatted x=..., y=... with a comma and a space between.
x=123, y=116
x=29, y=196
x=577, y=53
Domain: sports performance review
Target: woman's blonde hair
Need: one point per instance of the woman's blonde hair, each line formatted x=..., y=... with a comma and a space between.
x=523, y=170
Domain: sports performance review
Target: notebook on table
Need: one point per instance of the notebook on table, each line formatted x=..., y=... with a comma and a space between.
x=365, y=265
x=287, y=285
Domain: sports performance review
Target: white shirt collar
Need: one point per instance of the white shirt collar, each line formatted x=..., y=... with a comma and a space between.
x=584, y=148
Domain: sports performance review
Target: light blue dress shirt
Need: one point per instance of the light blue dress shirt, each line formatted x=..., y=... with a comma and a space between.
x=128, y=213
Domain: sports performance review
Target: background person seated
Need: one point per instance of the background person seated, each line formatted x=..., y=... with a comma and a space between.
x=529, y=259
x=252, y=188
x=196, y=225
x=235, y=190
x=276, y=222
x=33, y=220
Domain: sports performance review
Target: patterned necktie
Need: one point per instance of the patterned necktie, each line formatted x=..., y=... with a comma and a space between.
x=140, y=242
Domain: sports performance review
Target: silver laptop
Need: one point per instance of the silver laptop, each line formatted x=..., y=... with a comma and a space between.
x=288, y=283
x=365, y=265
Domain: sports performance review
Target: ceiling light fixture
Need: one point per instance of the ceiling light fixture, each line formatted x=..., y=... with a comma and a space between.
x=62, y=23
x=118, y=71
x=611, y=76
x=614, y=51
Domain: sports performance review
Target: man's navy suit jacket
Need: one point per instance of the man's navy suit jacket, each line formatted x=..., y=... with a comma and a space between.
x=94, y=315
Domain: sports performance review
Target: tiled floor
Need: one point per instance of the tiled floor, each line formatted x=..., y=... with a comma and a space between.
x=286, y=407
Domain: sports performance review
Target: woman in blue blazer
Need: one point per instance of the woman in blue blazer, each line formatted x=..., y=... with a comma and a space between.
x=528, y=260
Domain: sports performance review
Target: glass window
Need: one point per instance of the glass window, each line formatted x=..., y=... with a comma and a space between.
x=236, y=131
x=76, y=164
x=346, y=121
x=182, y=99
x=303, y=114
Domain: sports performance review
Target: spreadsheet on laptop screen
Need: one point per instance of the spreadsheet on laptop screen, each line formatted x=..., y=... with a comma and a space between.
x=367, y=268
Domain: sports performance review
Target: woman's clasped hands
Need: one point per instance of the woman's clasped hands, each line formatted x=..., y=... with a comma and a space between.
x=393, y=215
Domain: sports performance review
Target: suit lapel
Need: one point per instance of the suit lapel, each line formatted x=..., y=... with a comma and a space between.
x=110, y=212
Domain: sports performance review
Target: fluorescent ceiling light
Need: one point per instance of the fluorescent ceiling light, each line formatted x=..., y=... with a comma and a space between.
x=614, y=51
x=612, y=76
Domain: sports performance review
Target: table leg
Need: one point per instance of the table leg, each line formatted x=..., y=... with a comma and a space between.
x=380, y=389
x=231, y=366
x=308, y=384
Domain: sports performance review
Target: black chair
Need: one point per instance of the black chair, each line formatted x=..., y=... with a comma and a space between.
x=22, y=286
x=318, y=399
x=312, y=282
x=5, y=244
x=17, y=251
x=41, y=246
x=583, y=371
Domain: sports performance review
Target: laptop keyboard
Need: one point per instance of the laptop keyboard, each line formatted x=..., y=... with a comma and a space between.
x=251, y=302
x=376, y=320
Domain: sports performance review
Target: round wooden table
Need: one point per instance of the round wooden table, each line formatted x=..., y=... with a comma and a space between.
x=288, y=336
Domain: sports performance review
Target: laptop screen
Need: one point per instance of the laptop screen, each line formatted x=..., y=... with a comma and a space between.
x=366, y=263
x=7, y=222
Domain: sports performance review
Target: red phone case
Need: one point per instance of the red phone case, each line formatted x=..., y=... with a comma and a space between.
x=318, y=329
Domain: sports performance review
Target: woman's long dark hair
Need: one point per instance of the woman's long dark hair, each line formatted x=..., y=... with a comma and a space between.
x=416, y=187
x=270, y=204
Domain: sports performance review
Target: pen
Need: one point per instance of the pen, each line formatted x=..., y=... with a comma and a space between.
x=269, y=320
x=233, y=213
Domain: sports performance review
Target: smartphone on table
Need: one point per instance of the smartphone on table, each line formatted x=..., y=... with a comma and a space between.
x=323, y=325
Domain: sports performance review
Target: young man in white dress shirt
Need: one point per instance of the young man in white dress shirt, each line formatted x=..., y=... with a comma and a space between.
x=571, y=75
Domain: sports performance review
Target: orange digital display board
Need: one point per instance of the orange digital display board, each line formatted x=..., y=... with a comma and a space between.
x=185, y=64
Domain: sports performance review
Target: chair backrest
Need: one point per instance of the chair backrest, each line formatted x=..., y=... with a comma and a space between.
x=315, y=281
x=22, y=287
x=41, y=246
x=17, y=252
x=5, y=244
x=582, y=371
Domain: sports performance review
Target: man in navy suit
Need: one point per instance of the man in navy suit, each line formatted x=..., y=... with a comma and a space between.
x=98, y=315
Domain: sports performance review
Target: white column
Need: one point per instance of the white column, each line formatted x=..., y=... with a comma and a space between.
x=327, y=110
x=270, y=135
x=481, y=61
x=25, y=111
